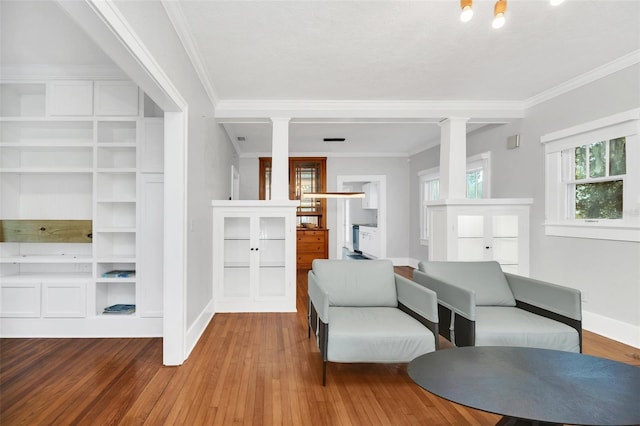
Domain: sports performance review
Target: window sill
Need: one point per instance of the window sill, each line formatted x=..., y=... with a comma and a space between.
x=594, y=230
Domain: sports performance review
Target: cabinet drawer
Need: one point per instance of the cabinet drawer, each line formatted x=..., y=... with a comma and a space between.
x=311, y=236
x=307, y=258
x=315, y=247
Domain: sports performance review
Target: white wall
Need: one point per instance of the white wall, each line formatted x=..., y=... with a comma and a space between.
x=209, y=152
x=607, y=272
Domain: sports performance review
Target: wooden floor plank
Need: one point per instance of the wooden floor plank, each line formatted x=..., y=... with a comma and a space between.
x=252, y=369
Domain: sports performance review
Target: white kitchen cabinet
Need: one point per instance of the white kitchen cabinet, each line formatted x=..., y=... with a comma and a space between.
x=370, y=200
x=254, y=256
x=369, y=241
x=476, y=230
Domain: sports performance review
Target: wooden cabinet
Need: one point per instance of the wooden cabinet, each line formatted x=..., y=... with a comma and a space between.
x=254, y=256
x=312, y=244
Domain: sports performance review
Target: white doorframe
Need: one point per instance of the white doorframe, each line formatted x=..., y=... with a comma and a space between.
x=382, y=210
x=106, y=26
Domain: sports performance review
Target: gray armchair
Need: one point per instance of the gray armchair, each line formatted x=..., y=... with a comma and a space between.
x=361, y=311
x=479, y=305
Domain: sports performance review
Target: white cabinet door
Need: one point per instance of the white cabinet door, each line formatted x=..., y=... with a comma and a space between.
x=149, y=268
x=152, y=146
x=65, y=98
x=477, y=232
x=370, y=200
x=253, y=258
x=20, y=300
x=369, y=242
x=116, y=98
x=64, y=300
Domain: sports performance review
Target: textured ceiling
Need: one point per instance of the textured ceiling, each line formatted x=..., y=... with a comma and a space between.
x=346, y=51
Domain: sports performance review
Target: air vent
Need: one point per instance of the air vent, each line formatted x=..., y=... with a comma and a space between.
x=334, y=139
x=241, y=138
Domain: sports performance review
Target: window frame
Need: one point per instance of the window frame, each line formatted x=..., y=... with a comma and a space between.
x=480, y=161
x=559, y=197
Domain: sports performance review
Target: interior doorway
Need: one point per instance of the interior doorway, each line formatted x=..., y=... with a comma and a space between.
x=347, y=212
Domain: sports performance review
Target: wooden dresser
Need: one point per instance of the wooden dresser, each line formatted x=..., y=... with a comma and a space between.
x=312, y=244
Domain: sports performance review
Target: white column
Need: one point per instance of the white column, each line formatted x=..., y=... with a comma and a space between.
x=453, y=158
x=280, y=159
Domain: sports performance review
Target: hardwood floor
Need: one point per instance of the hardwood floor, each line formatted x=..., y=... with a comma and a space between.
x=247, y=369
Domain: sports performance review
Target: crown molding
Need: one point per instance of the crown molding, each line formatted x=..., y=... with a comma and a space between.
x=602, y=71
x=362, y=154
x=358, y=109
x=179, y=22
x=61, y=72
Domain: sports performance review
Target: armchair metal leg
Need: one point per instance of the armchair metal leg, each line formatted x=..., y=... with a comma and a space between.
x=324, y=373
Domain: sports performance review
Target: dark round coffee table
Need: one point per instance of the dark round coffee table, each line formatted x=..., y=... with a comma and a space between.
x=527, y=384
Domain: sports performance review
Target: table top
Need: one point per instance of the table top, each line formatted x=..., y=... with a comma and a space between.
x=533, y=384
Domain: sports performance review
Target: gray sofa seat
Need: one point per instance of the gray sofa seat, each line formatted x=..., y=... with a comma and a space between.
x=511, y=326
x=363, y=312
x=479, y=305
x=376, y=334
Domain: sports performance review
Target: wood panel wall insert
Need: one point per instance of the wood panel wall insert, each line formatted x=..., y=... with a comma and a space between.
x=46, y=231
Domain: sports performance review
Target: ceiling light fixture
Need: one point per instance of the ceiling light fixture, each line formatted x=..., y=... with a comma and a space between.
x=556, y=2
x=498, y=14
x=467, y=11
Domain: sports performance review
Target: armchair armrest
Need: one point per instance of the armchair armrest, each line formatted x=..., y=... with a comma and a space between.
x=561, y=300
x=457, y=299
x=419, y=299
x=319, y=297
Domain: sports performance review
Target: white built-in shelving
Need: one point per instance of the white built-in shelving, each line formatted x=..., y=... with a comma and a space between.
x=70, y=150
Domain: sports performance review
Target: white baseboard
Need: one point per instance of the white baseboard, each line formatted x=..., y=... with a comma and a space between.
x=197, y=328
x=622, y=332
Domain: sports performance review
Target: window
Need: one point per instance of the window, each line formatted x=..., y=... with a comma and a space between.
x=478, y=168
x=592, y=175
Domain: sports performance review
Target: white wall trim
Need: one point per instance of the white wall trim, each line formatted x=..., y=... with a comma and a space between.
x=67, y=72
x=198, y=327
x=360, y=109
x=623, y=332
x=330, y=154
x=584, y=79
x=179, y=22
x=113, y=18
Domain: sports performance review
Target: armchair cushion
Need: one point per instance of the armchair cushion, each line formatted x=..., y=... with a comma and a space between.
x=485, y=279
x=362, y=283
x=376, y=334
x=507, y=326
